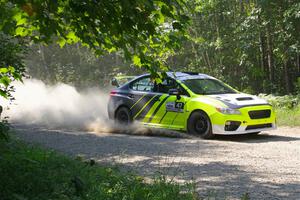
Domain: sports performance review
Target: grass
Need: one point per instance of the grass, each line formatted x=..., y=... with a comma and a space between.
x=31, y=172
x=288, y=116
x=287, y=108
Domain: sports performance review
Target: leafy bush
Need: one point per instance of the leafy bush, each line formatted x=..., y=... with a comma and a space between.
x=12, y=68
x=287, y=109
x=287, y=101
x=298, y=86
x=4, y=128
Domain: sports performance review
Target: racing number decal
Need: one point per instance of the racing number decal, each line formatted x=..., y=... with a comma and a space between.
x=174, y=107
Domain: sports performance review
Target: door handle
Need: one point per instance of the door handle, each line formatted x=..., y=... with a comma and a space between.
x=131, y=96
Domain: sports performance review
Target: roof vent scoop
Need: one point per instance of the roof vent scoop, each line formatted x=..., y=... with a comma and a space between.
x=244, y=98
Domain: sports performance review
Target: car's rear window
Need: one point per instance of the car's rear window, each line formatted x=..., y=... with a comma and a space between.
x=143, y=84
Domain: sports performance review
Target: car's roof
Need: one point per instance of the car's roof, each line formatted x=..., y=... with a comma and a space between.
x=188, y=75
x=182, y=76
x=175, y=75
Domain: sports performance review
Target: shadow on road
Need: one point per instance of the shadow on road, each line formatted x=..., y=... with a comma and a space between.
x=260, y=138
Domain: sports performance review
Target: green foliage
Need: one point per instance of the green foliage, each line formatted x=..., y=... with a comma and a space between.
x=11, y=65
x=146, y=29
x=4, y=130
x=288, y=117
x=298, y=86
x=249, y=44
x=252, y=44
x=287, y=109
x=28, y=172
x=287, y=101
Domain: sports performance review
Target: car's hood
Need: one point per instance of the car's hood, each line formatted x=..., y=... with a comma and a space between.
x=239, y=100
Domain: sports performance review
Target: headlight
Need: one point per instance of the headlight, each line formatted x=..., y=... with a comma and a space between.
x=229, y=111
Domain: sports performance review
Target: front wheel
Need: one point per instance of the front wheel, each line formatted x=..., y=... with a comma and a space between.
x=199, y=124
x=123, y=116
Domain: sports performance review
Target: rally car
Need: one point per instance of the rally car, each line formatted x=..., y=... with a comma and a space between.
x=196, y=103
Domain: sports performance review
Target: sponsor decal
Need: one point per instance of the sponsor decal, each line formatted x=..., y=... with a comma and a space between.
x=174, y=107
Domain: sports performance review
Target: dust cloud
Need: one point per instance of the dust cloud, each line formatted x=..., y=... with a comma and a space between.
x=63, y=107
x=58, y=106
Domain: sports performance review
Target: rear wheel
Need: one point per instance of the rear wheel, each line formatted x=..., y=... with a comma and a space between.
x=123, y=116
x=199, y=124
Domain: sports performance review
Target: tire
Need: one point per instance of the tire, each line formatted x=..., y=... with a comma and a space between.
x=199, y=124
x=123, y=116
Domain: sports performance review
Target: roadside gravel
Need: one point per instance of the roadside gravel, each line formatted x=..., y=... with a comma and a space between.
x=266, y=166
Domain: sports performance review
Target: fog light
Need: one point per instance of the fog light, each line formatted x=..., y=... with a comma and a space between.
x=232, y=125
x=227, y=122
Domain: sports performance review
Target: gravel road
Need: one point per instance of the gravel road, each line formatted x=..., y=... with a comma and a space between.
x=266, y=166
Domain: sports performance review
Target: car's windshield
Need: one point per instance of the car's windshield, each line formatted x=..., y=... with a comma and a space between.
x=207, y=86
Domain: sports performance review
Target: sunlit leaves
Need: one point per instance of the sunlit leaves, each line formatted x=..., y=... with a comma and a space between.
x=61, y=42
x=146, y=31
x=21, y=31
x=136, y=27
x=72, y=38
x=5, y=81
x=20, y=19
x=11, y=66
x=136, y=60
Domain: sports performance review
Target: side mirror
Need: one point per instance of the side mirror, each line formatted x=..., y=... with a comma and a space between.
x=114, y=82
x=175, y=92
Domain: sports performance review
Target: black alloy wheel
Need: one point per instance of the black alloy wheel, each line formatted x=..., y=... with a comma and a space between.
x=199, y=124
x=123, y=116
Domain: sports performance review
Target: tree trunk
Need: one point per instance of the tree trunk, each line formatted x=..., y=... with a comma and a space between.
x=262, y=48
x=242, y=6
x=208, y=61
x=286, y=76
x=263, y=55
x=204, y=59
x=45, y=63
x=80, y=81
x=298, y=63
x=270, y=57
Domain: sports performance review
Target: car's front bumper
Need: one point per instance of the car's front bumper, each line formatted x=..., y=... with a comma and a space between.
x=246, y=123
x=220, y=130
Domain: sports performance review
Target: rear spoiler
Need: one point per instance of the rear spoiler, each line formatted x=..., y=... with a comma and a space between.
x=114, y=82
x=121, y=80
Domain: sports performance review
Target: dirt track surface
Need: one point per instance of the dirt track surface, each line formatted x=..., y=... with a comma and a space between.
x=266, y=166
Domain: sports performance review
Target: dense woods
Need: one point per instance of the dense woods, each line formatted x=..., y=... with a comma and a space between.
x=251, y=44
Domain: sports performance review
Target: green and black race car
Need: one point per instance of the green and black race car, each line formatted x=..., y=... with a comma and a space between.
x=192, y=102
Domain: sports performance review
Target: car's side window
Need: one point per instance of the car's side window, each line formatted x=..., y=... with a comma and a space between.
x=143, y=84
x=168, y=84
